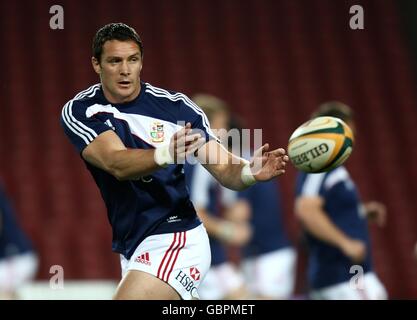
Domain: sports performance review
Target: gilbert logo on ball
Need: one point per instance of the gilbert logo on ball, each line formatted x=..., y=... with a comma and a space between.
x=320, y=144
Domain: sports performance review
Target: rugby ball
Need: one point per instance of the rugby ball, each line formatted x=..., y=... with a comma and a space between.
x=320, y=144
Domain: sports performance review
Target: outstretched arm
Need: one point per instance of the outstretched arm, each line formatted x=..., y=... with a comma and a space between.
x=236, y=173
x=109, y=153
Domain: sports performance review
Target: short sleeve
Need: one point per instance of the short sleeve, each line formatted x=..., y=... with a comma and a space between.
x=80, y=129
x=313, y=185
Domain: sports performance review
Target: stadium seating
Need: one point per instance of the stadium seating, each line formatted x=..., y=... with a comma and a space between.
x=274, y=61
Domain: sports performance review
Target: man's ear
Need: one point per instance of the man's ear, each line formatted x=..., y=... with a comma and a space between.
x=96, y=65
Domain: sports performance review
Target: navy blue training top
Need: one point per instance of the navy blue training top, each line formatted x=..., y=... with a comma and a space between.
x=155, y=204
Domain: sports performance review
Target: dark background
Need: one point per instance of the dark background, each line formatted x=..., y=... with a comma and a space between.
x=273, y=61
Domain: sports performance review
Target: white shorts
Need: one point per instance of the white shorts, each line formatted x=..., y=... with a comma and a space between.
x=180, y=259
x=371, y=289
x=220, y=281
x=271, y=274
x=16, y=270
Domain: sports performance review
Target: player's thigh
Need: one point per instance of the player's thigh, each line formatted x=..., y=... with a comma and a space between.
x=340, y=291
x=272, y=275
x=375, y=290
x=223, y=281
x=369, y=288
x=16, y=270
x=180, y=260
x=139, y=285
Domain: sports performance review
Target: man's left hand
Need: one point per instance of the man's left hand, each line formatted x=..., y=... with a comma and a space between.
x=266, y=165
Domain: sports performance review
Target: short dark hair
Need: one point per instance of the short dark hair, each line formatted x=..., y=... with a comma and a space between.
x=114, y=31
x=334, y=109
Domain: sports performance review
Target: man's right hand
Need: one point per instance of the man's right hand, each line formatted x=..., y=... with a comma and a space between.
x=184, y=143
x=354, y=249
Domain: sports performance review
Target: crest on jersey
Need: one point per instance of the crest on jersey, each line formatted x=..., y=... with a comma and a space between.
x=157, y=132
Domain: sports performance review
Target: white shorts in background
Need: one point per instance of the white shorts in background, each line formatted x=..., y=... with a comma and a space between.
x=221, y=281
x=181, y=259
x=16, y=270
x=272, y=274
x=372, y=289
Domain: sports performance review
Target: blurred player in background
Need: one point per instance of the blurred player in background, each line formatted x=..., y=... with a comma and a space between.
x=268, y=260
x=132, y=138
x=18, y=260
x=224, y=280
x=335, y=220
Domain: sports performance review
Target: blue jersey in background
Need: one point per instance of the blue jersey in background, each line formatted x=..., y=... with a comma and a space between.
x=266, y=219
x=327, y=264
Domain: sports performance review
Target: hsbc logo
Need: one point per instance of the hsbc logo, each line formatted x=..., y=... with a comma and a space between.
x=195, y=274
x=187, y=282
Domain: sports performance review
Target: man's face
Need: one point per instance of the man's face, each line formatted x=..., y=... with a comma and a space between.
x=119, y=70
